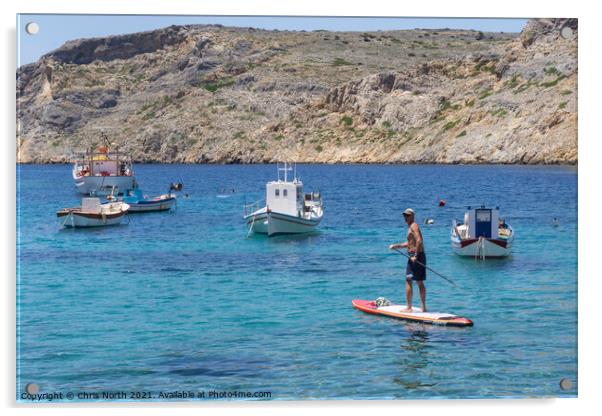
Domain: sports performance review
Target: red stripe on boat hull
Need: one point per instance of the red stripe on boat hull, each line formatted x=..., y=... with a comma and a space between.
x=469, y=241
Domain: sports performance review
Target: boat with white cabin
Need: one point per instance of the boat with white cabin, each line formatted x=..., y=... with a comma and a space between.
x=288, y=210
x=99, y=171
x=92, y=213
x=483, y=234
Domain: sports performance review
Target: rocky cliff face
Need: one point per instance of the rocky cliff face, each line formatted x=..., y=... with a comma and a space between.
x=224, y=95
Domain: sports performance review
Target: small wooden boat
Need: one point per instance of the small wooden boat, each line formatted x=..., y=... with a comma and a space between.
x=483, y=234
x=93, y=214
x=142, y=203
x=288, y=210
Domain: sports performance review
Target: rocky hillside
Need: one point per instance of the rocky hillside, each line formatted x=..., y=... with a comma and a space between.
x=210, y=94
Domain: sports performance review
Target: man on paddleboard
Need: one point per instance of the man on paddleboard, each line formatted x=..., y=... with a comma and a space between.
x=415, y=269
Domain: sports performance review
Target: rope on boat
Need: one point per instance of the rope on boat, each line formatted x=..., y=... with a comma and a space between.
x=66, y=218
x=483, y=245
x=480, y=249
x=251, y=227
x=101, y=185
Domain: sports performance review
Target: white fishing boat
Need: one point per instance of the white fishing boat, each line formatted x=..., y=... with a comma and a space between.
x=288, y=210
x=93, y=214
x=483, y=234
x=99, y=171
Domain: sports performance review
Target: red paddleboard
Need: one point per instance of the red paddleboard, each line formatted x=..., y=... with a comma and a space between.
x=416, y=315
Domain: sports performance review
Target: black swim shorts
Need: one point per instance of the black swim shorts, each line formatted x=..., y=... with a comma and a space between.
x=416, y=271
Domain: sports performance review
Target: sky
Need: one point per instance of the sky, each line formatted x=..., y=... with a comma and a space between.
x=56, y=29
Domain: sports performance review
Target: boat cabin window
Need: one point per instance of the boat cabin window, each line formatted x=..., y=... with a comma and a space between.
x=284, y=193
x=483, y=216
x=483, y=223
x=277, y=192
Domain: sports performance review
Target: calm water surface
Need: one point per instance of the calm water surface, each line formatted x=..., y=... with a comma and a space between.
x=183, y=301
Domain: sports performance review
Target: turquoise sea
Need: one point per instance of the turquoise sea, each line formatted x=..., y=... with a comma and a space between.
x=183, y=301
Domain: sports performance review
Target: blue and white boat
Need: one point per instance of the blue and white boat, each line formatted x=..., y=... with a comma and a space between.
x=287, y=211
x=139, y=202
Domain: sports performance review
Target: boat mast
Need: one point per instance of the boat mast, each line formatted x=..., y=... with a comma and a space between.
x=286, y=168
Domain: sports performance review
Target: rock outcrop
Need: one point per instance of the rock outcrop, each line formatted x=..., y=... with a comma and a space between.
x=209, y=94
x=84, y=51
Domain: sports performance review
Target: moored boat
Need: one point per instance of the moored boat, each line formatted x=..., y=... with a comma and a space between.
x=139, y=202
x=287, y=211
x=483, y=234
x=99, y=171
x=92, y=213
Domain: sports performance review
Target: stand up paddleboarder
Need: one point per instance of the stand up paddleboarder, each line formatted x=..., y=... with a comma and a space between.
x=416, y=267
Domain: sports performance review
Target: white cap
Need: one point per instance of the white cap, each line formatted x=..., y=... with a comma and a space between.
x=408, y=211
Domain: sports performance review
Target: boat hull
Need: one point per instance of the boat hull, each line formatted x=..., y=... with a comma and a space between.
x=103, y=185
x=483, y=248
x=150, y=206
x=85, y=220
x=273, y=223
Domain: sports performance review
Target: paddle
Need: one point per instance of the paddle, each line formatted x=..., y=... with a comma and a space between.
x=424, y=265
